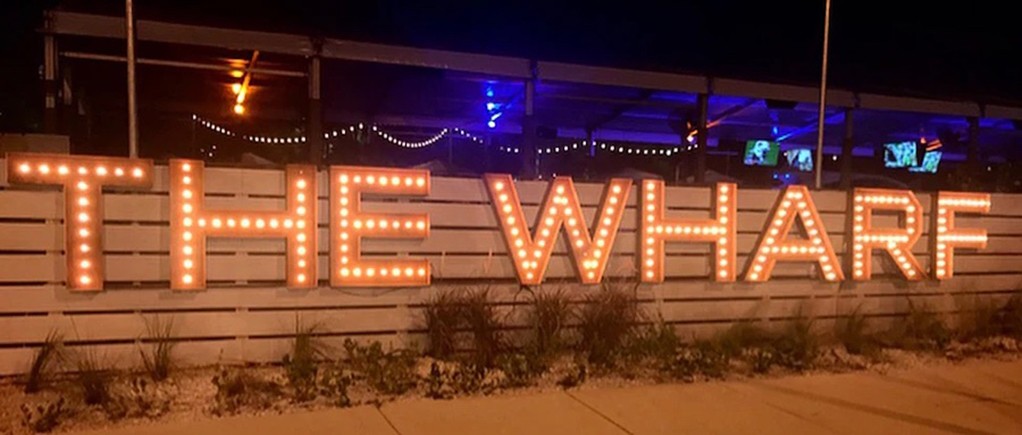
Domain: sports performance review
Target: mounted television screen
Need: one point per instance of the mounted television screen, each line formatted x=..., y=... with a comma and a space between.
x=900, y=155
x=800, y=159
x=930, y=163
x=761, y=153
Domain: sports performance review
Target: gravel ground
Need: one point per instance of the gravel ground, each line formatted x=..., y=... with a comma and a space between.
x=190, y=394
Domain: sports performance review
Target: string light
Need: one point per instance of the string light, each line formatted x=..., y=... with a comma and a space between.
x=405, y=144
x=794, y=203
x=602, y=147
x=656, y=229
x=561, y=209
x=83, y=211
x=348, y=225
x=897, y=242
x=947, y=236
x=191, y=224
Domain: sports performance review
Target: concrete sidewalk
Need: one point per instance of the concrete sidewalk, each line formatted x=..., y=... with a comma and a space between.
x=973, y=398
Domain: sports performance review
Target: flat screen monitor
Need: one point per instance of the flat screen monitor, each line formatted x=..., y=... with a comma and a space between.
x=900, y=155
x=761, y=153
x=930, y=163
x=800, y=159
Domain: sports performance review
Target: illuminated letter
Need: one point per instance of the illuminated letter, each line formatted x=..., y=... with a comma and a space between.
x=531, y=252
x=83, y=178
x=655, y=229
x=774, y=245
x=348, y=225
x=947, y=237
x=897, y=242
x=190, y=225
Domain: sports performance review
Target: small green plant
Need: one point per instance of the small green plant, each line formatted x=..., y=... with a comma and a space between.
x=606, y=322
x=520, y=369
x=442, y=315
x=549, y=314
x=438, y=384
x=43, y=417
x=47, y=354
x=797, y=348
x=657, y=342
x=158, y=360
x=236, y=389
x=92, y=376
x=388, y=372
x=301, y=364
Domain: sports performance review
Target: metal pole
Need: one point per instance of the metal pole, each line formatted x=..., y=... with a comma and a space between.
x=129, y=16
x=530, y=162
x=702, y=139
x=314, y=130
x=823, y=97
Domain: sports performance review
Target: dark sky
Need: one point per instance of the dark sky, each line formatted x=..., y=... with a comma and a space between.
x=965, y=50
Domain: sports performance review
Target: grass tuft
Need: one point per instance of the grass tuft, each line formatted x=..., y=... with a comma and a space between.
x=47, y=354
x=607, y=321
x=158, y=361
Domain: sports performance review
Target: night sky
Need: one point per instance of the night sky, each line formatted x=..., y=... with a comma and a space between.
x=927, y=50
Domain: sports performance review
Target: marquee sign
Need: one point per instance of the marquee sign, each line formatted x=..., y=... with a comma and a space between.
x=529, y=246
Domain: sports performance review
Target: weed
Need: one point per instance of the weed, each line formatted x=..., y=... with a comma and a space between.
x=300, y=365
x=520, y=369
x=480, y=316
x=1009, y=317
x=158, y=361
x=657, y=342
x=443, y=315
x=236, y=389
x=739, y=336
x=549, y=314
x=851, y=332
x=44, y=357
x=43, y=417
x=797, y=347
x=437, y=384
x=606, y=322
x=391, y=372
x=921, y=329
x=92, y=376
x=979, y=321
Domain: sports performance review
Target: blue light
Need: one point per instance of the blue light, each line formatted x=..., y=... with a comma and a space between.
x=494, y=116
x=775, y=130
x=489, y=92
x=490, y=106
x=491, y=124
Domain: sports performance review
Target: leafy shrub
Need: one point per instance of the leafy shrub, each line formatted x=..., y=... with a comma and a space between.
x=43, y=417
x=520, y=369
x=93, y=377
x=158, y=361
x=141, y=398
x=45, y=356
x=547, y=318
x=300, y=365
x=335, y=382
x=606, y=322
x=236, y=389
x=760, y=358
x=437, y=384
x=704, y=358
x=391, y=372
x=979, y=321
x=657, y=342
x=575, y=374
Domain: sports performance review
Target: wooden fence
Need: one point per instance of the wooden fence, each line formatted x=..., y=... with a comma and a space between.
x=247, y=314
